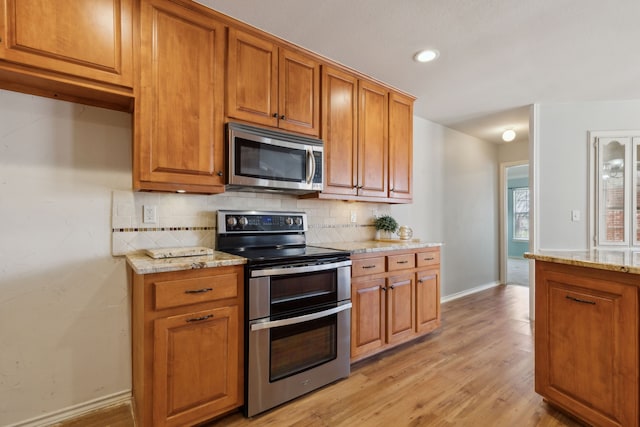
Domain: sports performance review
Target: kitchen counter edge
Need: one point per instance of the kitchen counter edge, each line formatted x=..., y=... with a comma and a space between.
x=369, y=246
x=621, y=260
x=144, y=264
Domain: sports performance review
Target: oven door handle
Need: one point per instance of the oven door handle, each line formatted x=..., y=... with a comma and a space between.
x=259, y=325
x=280, y=271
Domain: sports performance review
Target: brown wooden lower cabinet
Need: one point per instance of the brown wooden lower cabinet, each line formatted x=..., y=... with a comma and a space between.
x=395, y=297
x=187, y=345
x=586, y=342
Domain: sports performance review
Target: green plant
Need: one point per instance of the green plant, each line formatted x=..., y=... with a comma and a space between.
x=386, y=222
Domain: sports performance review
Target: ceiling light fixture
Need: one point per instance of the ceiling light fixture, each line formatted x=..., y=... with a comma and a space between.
x=426, y=55
x=508, y=135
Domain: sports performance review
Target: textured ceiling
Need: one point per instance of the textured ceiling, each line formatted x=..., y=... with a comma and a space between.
x=496, y=56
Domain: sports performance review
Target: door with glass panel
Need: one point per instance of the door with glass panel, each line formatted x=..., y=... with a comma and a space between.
x=618, y=217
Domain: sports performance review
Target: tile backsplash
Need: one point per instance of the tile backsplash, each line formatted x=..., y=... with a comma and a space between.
x=190, y=220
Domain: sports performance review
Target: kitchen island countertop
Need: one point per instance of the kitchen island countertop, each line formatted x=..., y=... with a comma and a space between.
x=622, y=260
x=378, y=245
x=144, y=264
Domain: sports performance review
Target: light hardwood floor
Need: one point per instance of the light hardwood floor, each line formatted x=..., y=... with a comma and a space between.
x=477, y=370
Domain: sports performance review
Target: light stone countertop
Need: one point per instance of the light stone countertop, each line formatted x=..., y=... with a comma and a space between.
x=378, y=245
x=622, y=260
x=144, y=264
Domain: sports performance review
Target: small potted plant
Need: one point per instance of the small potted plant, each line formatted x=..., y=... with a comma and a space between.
x=385, y=225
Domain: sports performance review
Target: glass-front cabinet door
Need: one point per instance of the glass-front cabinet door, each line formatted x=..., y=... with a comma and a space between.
x=614, y=196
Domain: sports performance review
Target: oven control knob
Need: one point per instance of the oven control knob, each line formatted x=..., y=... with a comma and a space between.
x=298, y=220
x=231, y=221
x=243, y=221
x=288, y=221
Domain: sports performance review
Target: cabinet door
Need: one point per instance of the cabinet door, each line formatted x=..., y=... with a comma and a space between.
x=90, y=38
x=586, y=338
x=252, y=79
x=400, y=307
x=400, y=147
x=179, y=137
x=340, y=131
x=427, y=300
x=373, y=147
x=298, y=93
x=195, y=366
x=367, y=316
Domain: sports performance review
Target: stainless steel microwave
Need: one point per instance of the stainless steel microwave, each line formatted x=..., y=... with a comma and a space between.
x=262, y=159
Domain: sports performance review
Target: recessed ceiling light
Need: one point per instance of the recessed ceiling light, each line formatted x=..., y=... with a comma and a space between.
x=508, y=135
x=426, y=55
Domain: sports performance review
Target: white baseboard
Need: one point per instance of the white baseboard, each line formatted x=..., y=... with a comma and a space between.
x=469, y=291
x=76, y=410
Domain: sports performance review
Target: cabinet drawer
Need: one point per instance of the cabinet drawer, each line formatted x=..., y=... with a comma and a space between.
x=428, y=258
x=361, y=267
x=400, y=262
x=174, y=293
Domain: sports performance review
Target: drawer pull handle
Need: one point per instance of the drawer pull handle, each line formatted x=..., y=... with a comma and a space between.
x=428, y=259
x=369, y=266
x=383, y=288
x=198, y=291
x=420, y=280
x=583, y=301
x=200, y=319
x=402, y=262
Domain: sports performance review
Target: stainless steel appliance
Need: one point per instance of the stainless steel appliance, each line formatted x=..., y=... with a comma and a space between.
x=263, y=159
x=298, y=308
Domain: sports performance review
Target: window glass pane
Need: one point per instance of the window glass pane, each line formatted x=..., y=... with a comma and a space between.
x=612, y=200
x=521, y=213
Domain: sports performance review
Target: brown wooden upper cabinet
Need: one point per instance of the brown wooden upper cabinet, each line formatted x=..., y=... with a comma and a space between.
x=179, y=138
x=82, y=49
x=400, y=147
x=368, y=135
x=271, y=85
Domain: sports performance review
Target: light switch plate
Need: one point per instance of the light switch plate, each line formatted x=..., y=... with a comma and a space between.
x=575, y=215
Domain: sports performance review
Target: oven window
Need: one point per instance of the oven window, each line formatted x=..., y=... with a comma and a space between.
x=301, y=291
x=299, y=347
x=265, y=161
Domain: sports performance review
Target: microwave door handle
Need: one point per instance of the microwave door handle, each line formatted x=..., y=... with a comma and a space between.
x=311, y=165
x=295, y=320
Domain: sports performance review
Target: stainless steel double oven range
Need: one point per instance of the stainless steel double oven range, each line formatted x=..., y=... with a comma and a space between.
x=297, y=306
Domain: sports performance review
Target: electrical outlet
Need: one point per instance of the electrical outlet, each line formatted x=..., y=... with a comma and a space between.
x=354, y=216
x=149, y=214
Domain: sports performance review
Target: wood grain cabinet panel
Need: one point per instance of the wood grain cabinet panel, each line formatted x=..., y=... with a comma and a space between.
x=188, y=359
x=427, y=300
x=373, y=147
x=79, y=50
x=368, y=136
x=400, y=146
x=271, y=85
x=368, y=316
x=586, y=342
x=400, y=308
x=340, y=131
x=179, y=138
x=393, y=302
x=195, y=365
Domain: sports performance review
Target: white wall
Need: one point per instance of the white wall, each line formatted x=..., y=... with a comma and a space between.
x=455, y=201
x=561, y=165
x=64, y=303
x=513, y=151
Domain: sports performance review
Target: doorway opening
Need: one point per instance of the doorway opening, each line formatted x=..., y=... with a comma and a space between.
x=515, y=223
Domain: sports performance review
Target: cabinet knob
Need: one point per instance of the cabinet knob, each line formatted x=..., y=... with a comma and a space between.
x=392, y=287
x=275, y=115
x=392, y=189
x=282, y=117
x=383, y=288
x=220, y=173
